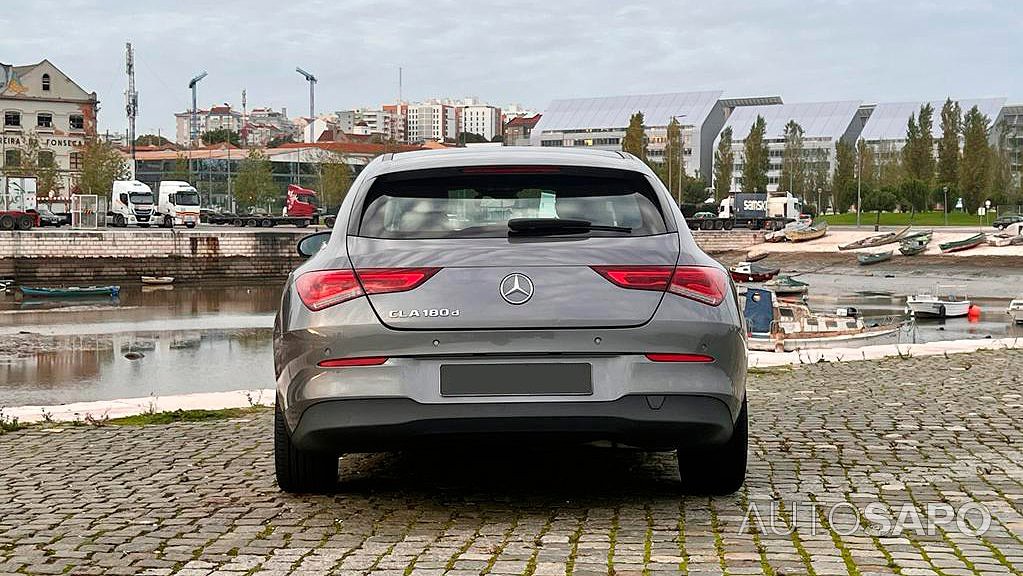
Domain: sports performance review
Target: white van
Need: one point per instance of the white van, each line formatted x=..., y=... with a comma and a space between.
x=131, y=203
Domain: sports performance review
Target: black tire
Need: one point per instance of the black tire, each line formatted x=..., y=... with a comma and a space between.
x=941, y=310
x=719, y=225
x=26, y=222
x=299, y=471
x=168, y=222
x=729, y=224
x=119, y=221
x=7, y=222
x=706, y=225
x=717, y=470
x=329, y=221
x=253, y=222
x=301, y=223
x=266, y=223
x=238, y=222
x=189, y=224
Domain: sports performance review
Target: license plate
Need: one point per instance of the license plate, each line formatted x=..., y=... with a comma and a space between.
x=516, y=379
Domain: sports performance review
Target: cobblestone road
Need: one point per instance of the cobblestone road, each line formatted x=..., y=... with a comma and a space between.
x=196, y=499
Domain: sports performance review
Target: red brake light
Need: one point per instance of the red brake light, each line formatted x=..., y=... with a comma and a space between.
x=325, y=288
x=700, y=283
x=637, y=277
x=384, y=280
x=345, y=362
x=511, y=170
x=679, y=358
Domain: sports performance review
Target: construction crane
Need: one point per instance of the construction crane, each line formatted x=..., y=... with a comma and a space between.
x=132, y=97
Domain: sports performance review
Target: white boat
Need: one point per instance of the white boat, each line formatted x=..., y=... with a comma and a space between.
x=157, y=280
x=930, y=304
x=1015, y=310
x=777, y=326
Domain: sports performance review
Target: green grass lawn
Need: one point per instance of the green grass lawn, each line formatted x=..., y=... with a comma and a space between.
x=902, y=218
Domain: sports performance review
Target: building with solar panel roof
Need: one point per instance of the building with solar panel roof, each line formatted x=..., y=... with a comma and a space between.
x=885, y=129
x=601, y=123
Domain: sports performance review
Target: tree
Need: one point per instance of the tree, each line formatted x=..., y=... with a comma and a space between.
x=974, y=169
x=755, y=159
x=818, y=174
x=254, y=185
x=673, y=168
x=335, y=179
x=914, y=193
x=152, y=140
x=724, y=164
x=634, y=141
x=181, y=171
x=221, y=135
x=844, y=182
x=889, y=171
x=471, y=138
x=101, y=165
x=948, y=146
x=918, y=152
x=879, y=200
x=1000, y=172
x=498, y=138
x=793, y=162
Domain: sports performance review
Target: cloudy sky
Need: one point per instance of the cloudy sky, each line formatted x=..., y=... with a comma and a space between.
x=517, y=51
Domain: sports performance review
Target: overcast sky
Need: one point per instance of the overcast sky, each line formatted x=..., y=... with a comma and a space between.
x=516, y=51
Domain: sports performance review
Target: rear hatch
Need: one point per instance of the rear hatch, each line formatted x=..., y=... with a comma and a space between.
x=486, y=276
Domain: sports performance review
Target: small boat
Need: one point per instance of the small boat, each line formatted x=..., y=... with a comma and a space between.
x=964, y=243
x=757, y=257
x=803, y=233
x=70, y=291
x=918, y=235
x=1015, y=310
x=1000, y=239
x=158, y=280
x=930, y=304
x=914, y=247
x=778, y=326
x=786, y=286
x=878, y=240
x=873, y=257
x=749, y=272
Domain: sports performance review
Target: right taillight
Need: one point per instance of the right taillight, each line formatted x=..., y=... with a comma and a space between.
x=701, y=283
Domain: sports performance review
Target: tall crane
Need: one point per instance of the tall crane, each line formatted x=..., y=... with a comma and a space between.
x=132, y=97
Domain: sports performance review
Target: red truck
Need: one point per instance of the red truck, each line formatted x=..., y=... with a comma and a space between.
x=299, y=210
x=17, y=204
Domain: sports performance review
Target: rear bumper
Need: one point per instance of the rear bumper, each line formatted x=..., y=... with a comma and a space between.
x=644, y=421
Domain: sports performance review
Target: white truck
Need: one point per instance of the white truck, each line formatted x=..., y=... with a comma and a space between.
x=770, y=211
x=178, y=206
x=131, y=203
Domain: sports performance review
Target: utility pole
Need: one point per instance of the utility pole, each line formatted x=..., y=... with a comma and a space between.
x=193, y=128
x=132, y=107
x=859, y=179
x=312, y=91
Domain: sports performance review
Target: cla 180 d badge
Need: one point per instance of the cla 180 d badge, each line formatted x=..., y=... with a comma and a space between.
x=516, y=288
x=423, y=313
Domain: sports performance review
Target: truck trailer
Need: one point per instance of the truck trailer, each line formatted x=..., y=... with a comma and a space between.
x=299, y=210
x=756, y=211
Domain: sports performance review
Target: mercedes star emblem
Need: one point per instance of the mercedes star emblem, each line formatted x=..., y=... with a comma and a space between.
x=516, y=288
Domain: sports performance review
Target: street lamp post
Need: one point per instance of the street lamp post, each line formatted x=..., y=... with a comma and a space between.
x=859, y=180
x=193, y=122
x=944, y=205
x=312, y=84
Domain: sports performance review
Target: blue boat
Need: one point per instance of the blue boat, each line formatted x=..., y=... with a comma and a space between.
x=70, y=291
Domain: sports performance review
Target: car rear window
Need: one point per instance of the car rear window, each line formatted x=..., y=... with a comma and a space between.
x=478, y=204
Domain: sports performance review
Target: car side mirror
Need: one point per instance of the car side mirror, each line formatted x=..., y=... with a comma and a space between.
x=313, y=243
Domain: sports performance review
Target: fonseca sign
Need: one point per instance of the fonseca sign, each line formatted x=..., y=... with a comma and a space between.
x=46, y=142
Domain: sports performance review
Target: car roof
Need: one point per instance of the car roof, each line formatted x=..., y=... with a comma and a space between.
x=503, y=155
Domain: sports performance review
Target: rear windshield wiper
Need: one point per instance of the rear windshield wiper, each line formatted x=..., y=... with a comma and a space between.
x=544, y=226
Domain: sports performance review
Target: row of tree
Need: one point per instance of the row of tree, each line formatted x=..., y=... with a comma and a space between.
x=962, y=163
x=672, y=169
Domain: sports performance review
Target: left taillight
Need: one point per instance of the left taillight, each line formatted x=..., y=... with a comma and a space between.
x=325, y=288
x=701, y=283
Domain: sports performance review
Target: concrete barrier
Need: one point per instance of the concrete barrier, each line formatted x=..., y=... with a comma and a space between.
x=69, y=256
x=717, y=241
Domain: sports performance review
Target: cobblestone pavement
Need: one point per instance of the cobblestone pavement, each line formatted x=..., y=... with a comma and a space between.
x=197, y=499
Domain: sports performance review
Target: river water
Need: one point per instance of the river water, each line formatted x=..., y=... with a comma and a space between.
x=158, y=341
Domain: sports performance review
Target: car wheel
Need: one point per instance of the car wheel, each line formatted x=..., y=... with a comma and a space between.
x=300, y=471
x=717, y=470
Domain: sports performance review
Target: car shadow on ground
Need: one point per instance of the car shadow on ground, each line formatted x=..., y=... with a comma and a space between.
x=592, y=472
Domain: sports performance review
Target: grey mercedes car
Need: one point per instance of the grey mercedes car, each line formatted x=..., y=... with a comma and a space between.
x=530, y=295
